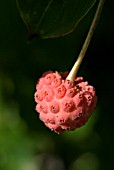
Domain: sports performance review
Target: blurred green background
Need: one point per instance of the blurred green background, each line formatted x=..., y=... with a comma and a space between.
x=25, y=143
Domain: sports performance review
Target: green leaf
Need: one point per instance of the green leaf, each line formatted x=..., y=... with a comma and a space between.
x=53, y=18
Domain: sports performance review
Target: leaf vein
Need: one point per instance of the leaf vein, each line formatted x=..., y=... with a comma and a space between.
x=47, y=7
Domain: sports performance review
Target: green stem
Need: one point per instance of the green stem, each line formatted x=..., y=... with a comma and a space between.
x=74, y=70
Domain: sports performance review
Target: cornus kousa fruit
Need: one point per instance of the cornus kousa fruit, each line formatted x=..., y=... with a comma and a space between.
x=62, y=104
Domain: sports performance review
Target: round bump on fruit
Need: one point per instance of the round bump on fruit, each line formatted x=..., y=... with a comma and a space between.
x=48, y=94
x=71, y=92
x=62, y=117
x=68, y=105
x=38, y=96
x=60, y=91
x=49, y=78
x=54, y=107
x=69, y=84
x=76, y=113
x=56, y=82
x=50, y=118
x=42, y=107
x=87, y=98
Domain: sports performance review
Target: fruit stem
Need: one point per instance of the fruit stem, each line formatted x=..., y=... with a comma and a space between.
x=72, y=75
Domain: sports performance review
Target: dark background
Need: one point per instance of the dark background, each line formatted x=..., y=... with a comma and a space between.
x=25, y=143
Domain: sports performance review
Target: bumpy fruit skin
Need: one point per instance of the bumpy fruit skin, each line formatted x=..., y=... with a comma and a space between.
x=62, y=104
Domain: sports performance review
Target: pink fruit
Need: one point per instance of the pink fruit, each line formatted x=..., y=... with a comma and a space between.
x=62, y=104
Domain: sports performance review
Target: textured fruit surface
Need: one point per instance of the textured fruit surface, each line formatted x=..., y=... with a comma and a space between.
x=62, y=104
